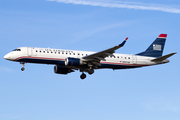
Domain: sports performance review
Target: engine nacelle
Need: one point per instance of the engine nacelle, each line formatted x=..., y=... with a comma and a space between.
x=62, y=70
x=73, y=61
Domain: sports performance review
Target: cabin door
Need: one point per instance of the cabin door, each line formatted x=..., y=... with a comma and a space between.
x=29, y=51
x=134, y=60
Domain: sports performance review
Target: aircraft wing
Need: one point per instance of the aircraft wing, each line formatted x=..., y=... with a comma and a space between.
x=101, y=55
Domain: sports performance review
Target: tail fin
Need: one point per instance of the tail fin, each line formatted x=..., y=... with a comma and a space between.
x=156, y=48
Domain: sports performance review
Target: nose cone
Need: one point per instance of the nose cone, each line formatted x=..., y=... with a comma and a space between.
x=7, y=56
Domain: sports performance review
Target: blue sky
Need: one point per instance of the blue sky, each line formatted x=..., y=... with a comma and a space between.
x=150, y=93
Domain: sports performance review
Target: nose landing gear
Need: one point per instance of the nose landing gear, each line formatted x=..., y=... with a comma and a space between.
x=22, y=68
x=22, y=65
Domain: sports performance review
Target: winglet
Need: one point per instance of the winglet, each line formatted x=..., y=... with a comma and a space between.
x=126, y=39
x=120, y=45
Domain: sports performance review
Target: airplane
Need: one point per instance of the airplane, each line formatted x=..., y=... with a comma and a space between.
x=67, y=61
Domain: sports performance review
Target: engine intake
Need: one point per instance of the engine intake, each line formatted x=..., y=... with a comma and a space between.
x=62, y=70
x=73, y=61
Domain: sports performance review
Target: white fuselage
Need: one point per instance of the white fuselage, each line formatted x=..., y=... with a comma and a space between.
x=58, y=56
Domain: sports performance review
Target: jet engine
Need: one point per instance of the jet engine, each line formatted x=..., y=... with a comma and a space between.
x=62, y=70
x=73, y=62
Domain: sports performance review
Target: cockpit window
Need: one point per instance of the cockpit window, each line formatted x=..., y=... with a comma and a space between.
x=17, y=50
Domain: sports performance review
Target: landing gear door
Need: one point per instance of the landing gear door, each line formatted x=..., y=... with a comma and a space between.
x=29, y=51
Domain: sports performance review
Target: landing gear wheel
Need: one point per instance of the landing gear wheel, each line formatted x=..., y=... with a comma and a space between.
x=22, y=68
x=91, y=71
x=83, y=76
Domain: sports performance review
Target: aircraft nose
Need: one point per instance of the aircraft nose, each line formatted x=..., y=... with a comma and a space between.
x=7, y=56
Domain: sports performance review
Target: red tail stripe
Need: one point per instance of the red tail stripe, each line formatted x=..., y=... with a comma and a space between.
x=162, y=35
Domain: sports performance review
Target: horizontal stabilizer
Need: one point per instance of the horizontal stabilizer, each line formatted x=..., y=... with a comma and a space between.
x=163, y=57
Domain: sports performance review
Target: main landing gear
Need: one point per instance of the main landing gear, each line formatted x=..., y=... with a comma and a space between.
x=22, y=65
x=83, y=75
x=91, y=71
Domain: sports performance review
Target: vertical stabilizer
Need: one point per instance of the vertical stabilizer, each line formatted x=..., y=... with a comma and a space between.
x=156, y=48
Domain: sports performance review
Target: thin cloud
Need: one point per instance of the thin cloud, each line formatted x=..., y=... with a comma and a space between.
x=5, y=69
x=163, y=104
x=78, y=36
x=122, y=4
x=86, y=33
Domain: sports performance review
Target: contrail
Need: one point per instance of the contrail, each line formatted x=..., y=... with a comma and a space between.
x=122, y=4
